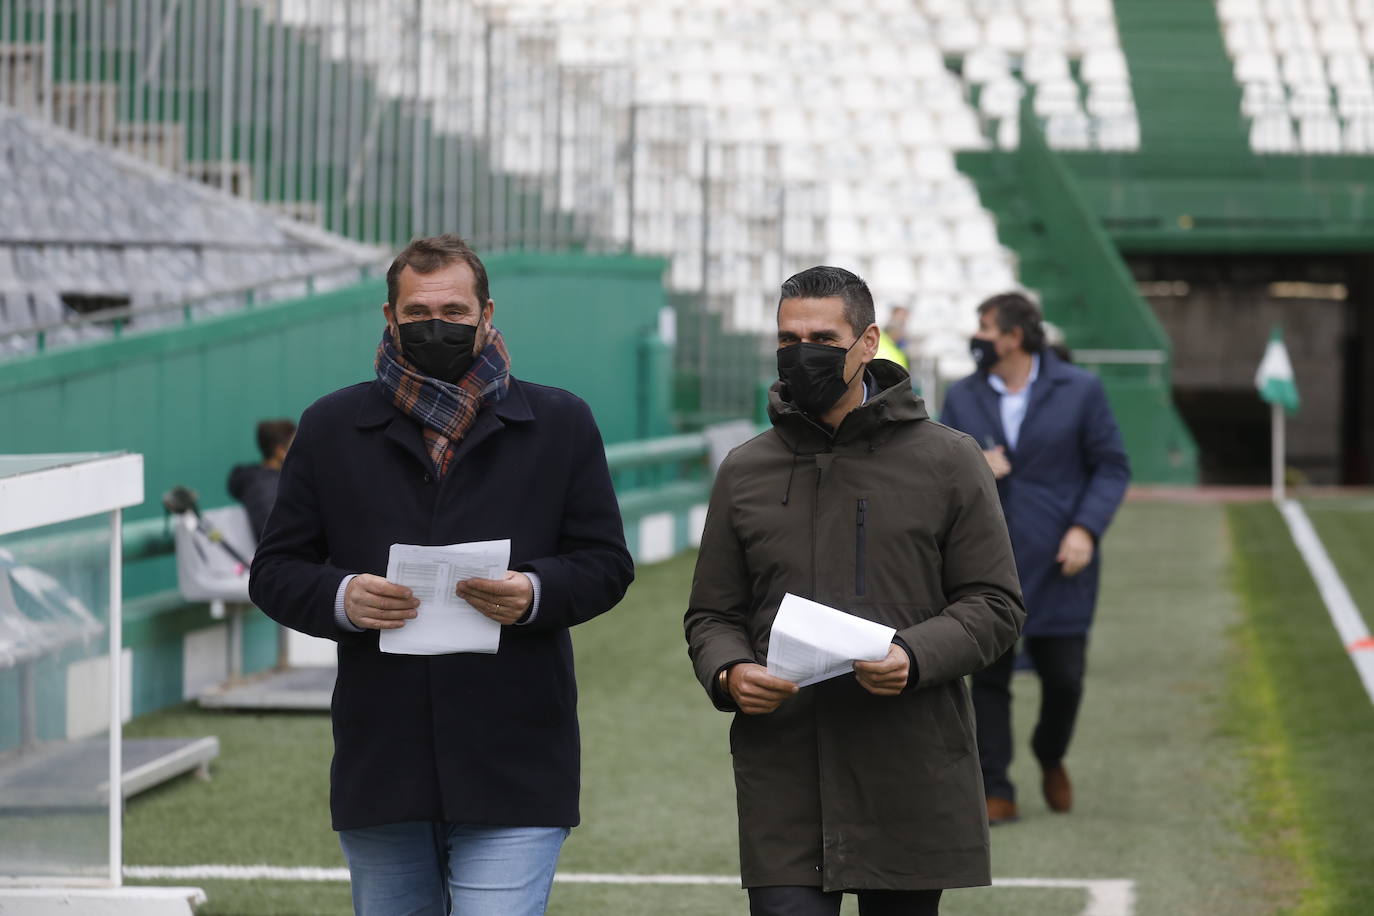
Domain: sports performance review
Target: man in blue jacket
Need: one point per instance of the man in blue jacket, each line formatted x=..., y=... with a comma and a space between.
x=1054, y=446
x=455, y=777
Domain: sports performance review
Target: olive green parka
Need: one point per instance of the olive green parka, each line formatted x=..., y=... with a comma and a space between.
x=894, y=518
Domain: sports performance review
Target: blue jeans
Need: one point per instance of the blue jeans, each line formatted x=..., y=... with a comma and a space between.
x=424, y=868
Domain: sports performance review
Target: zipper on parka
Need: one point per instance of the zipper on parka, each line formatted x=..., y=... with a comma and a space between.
x=860, y=547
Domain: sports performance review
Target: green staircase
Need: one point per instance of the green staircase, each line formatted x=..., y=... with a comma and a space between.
x=1185, y=90
x=1083, y=284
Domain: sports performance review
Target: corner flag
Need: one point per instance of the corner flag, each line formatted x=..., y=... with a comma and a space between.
x=1274, y=378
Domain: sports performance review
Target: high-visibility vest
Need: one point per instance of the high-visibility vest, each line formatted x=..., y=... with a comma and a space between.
x=888, y=349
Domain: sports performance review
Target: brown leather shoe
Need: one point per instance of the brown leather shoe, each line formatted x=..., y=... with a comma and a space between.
x=1001, y=811
x=1058, y=790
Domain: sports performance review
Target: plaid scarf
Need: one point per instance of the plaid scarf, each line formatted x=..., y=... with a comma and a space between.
x=444, y=411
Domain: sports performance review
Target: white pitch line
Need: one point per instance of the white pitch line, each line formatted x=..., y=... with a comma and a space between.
x=1353, y=631
x=1106, y=897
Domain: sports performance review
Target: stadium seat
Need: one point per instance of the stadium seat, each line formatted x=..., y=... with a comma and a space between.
x=1337, y=36
x=1001, y=99
x=1293, y=34
x=1110, y=100
x=1319, y=134
x=1258, y=67
x=1005, y=31
x=1310, y=102
x=984, y=65
x=1263, y=98
x=1358, y=136
x=1303, y=69
x=1240, y=9
x=1244, y=35
x=1069, y=130
x=1355, y=101
x=1104, y=65
x=1273, y=133
x=1056, y=97
x=1045, y=64
x=1349, y=69
x=1118, y=133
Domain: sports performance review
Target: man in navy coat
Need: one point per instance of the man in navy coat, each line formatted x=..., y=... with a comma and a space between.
x=455, y=777
x=1054, y=446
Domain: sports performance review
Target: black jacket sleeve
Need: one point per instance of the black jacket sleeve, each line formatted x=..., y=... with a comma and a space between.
x=592, y=568
x=292, y=580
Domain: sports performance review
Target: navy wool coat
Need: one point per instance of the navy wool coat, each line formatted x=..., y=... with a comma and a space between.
x=1068, y=468
x=465, y=738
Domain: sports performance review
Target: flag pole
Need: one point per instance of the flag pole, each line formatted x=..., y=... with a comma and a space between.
x=1276, y=458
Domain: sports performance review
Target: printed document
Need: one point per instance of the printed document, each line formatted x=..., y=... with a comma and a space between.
x=812, y=642
x=443, y=622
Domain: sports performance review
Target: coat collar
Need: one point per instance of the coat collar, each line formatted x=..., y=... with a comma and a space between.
x=891, y=401
x=1053, y=373
x=377, y=410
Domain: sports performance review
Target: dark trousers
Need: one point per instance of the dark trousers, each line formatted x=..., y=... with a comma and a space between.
x=1059, y=661
x=812, y=901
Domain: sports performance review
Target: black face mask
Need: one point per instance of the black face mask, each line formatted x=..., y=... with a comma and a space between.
x=440, y=349
x=984, y=353
x=814, y=375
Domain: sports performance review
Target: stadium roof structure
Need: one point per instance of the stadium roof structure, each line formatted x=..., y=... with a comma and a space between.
x=89, y=235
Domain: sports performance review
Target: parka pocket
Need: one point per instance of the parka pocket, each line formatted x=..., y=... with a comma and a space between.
x=861, y=547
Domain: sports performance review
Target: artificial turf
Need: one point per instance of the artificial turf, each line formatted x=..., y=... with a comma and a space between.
x=1167, y=776
x=1311, y=735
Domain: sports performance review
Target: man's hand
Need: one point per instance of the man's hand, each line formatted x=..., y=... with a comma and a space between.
x=503, y=600
x=997, y=460
x=373, y=603
x=755, y=691
x=885, y=678
x=1075, y=550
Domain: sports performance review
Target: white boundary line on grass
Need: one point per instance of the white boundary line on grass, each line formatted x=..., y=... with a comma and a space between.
x=1106, y=897
x=1345, y=615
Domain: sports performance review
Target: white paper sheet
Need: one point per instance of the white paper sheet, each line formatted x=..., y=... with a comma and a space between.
x=443, y=622
x=813, y=642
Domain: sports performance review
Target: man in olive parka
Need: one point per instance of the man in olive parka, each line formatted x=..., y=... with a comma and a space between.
x=868, y=782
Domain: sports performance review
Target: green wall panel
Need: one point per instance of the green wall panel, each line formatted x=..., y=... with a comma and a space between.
x=188, y=397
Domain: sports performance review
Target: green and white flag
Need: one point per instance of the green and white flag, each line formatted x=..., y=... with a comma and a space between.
x=1274, y=378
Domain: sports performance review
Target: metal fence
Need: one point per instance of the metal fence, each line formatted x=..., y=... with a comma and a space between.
x=375, y=120
x=381, y=120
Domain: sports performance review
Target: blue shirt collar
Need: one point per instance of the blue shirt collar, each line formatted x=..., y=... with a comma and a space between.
x=1000, y=386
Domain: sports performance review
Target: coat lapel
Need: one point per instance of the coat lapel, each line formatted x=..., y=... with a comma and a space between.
x=377, y=410
x=1042, y=391
x=990, y=402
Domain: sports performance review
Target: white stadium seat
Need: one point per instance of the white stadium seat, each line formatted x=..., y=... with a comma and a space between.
x=1069, y=130
x=1310, y=102
x=1304, y=69
x=1319, y=134
x=1273, y=133
x=1349, y=69
x=1118, y=133
x=1056, y=97
x=1005, y=31
x=1104, y=65
x=1041, y=64
x=1001, y=99
x=1359, y=135
x=1244, y=35
x=1355, y=101
x=1263, y=98
x=1110, y=100
x=1258, y=67
x=986, y=64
